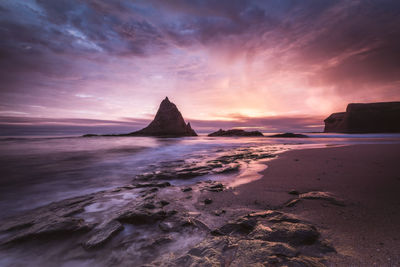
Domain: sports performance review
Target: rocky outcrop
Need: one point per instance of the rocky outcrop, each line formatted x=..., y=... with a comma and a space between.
x=223, y=164
x=288, y=135
x=159, y=224
x=266, y=238
x=104, y=234
x=167, y=122
x=235, y=132
x=366, y=118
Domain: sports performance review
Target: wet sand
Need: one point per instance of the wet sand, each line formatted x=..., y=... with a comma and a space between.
x=357, y=213
x=366, y=230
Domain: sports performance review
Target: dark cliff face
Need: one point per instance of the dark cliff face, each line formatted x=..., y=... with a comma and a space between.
x=167, y=122
x=366, y=118
x=335, y=123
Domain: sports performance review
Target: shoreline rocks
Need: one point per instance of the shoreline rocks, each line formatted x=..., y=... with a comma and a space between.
x=288, y=135
x=257, y=239
x=235, y=132
x=154, y=223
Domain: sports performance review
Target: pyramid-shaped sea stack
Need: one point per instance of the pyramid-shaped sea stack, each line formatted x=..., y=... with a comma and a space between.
x=168, y=122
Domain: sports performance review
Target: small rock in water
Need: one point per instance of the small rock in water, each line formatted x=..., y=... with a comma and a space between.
x=208, y=201
x=171, y=213
x=235, y=132
x=149, y=206
x=294, y=192
x=164, y=203
x=289, y=135
x=155, y=189
x=165, y=226
x=216, y=188
x=186, y=189
x=142, y=217
x=218, y=212
x=161, y=185
x=103, y=234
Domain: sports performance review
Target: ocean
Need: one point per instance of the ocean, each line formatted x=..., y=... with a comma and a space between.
x=38, y=170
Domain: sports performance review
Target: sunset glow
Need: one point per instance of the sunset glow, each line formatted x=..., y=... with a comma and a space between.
x=217, y=60
x=188, y=133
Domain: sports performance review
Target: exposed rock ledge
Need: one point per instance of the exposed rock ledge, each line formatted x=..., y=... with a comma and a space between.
x=157, y=224
x=289, y=135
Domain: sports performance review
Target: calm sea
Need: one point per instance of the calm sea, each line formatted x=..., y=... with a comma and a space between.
x=38, y=170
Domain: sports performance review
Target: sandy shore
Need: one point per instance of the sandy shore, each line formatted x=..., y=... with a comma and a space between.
x=366, y=230
x=207, y=224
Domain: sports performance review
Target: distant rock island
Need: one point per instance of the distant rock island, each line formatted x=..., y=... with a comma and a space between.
x=288, y=135
x=168, y=122
x=366, y=118
x=235, y=132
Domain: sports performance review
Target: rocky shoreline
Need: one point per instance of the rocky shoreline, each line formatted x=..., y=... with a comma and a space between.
x=311, y=214
x=166, y=225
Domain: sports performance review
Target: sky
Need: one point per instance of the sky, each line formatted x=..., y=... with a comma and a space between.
x=281, y=65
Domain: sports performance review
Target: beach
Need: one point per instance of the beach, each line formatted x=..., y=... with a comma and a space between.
x=310, y=205
x=365, y=230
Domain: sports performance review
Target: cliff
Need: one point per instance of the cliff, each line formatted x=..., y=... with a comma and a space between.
x=366, y=118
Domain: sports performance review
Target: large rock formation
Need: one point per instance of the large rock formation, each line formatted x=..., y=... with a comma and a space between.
x=168, y=122
x=366, y=118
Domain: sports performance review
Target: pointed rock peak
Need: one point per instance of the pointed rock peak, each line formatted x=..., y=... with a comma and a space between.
x=167, y=122
x=166, y=104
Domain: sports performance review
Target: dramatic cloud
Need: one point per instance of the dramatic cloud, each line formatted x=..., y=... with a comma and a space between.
x=105, y=60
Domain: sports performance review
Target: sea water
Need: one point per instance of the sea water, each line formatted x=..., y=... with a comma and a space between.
x=39, y=170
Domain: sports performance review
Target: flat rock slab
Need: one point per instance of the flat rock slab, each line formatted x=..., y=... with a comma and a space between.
x=53, y=226
x=103, y=234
